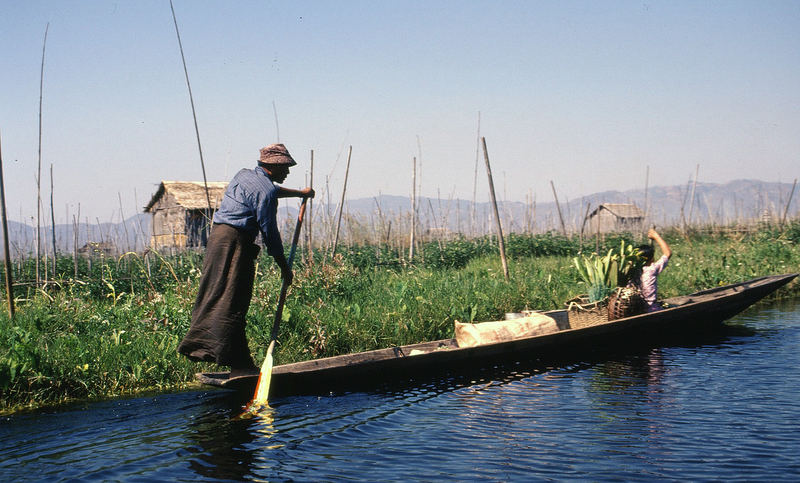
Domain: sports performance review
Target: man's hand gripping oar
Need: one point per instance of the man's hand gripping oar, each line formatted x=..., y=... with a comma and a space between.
x=260, y=398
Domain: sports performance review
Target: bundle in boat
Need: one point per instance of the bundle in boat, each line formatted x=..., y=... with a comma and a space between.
x=471, y=335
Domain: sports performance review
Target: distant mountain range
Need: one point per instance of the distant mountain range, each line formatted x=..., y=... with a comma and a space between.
x=387, y=214
x=664, y=206
x=132, y=235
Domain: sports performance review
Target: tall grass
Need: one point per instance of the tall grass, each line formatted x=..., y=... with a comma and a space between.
x=114, y=329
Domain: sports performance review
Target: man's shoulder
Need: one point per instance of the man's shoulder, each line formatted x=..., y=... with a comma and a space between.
x=252, y=179
x=244, y=173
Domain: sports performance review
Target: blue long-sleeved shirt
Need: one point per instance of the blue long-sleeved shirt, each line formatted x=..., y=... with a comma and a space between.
x=250, y=203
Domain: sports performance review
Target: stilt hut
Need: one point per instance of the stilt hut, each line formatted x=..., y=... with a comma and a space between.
x=181, y=218
x=616, y=217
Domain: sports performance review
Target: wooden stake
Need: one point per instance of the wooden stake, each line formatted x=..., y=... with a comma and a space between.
x=412, y=240
x=341, y=206
x=646, y=201
x=194, y=114
x=597, y=231
x=694, y=187
x=277, y=127
x=496, y=213
x=39, y=170
x=75, y=228
x=124, y=225
x=786, y=210
x=309, y=226
x=473, y=220
x=583, y=225
x=683, y=205
x=558, y=207
x=53, y=219
x=6, y=251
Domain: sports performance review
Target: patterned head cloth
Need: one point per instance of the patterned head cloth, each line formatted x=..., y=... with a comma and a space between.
x=276, y=154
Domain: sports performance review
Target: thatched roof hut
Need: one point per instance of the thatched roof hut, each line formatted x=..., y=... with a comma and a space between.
x=614, y=217
x=180, y=212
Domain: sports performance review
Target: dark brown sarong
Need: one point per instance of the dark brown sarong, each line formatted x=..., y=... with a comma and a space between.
x=217, y=332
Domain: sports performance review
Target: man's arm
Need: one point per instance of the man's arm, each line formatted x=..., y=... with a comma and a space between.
x=286, y=271
x=290, y=193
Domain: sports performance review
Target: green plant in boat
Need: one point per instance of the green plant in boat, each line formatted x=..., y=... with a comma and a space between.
x=599, y=274
x=628, y=262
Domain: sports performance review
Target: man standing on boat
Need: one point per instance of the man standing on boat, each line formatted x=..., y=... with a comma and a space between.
x=249, y=207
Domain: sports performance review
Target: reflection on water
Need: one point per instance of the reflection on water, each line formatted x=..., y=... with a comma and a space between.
x=720, y=405
x=224, y=451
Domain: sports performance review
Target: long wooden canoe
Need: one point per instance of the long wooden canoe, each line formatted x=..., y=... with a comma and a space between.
x=577, y=331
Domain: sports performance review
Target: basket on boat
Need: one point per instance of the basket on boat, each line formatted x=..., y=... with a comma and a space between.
x=625, y=302
x=583, y=313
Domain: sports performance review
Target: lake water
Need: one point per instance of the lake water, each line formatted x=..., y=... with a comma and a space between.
x=724, y=405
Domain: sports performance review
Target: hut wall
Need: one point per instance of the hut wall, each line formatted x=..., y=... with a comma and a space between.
x=197, y=227
x=609, y=223
x=169, y=223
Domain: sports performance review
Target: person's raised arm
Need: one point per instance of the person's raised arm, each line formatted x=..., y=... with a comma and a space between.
x=665, y=249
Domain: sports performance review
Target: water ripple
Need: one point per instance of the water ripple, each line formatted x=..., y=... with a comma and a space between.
x=719, y=406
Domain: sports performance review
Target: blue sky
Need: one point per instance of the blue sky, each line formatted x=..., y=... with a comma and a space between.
x=587, y=94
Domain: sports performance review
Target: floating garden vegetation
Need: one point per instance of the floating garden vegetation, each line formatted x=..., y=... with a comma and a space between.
x=114, y=328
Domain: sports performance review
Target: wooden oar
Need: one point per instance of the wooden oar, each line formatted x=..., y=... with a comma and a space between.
x=261, y=395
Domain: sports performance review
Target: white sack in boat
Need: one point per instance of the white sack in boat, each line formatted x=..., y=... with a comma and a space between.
x=470, y=335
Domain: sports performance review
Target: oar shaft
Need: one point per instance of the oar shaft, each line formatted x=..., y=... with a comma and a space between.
x=285, y=286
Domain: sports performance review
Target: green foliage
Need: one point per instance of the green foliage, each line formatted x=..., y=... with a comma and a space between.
x=628, y=262
x=792, y=232
x=367, y=256
x=115, y=330
x=602, y=274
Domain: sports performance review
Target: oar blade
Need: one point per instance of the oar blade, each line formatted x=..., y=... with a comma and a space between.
x=260, y=399
x=261, y=396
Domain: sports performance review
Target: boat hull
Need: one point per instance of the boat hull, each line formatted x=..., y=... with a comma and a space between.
x=686, y=314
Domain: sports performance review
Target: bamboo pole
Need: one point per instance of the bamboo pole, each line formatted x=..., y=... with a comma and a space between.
x=496, y=213
x=646, y=193
x=786, y=210
x=683, y=205
x=44, y=247
x=124, y=225
x=694, y=187
x=6, y=250
x=77, y=239
x=583, y=225
x=53, y=220
x=39, y=170
x=412, y=240
x=419, y=169
x=75, y=228
x=341, y=206
x=277, y=127
x=558, y=207
x=194, y=113
x=309, y=226
x=139, y=222
x=473, y=220
x=597, y=231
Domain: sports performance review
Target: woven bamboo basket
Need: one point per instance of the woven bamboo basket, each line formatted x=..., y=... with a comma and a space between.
x=625, y=302
x=583, y=313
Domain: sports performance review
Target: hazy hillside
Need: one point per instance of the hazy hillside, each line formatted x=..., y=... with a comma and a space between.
x=665, y=205
x=131, y=235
